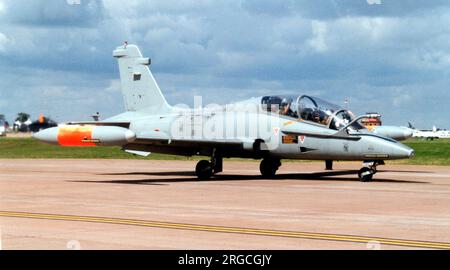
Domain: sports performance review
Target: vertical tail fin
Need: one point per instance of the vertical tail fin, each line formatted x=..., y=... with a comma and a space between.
x=139, y=88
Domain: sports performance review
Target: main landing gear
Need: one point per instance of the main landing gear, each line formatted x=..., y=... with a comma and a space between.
x=269, y=167
x=366, y=173
x=206, y=169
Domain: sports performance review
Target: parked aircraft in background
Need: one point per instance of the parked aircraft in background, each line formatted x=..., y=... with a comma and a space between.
x=42, y=123
x=430, y=134
x=22, y=126
x=2, y=127
x=270, y=128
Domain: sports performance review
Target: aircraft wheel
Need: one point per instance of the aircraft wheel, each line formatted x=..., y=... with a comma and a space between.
x=365, y=174
x=203, y=170
x=269, y=167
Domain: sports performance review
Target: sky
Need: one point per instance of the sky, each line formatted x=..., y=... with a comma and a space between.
x=386, y=56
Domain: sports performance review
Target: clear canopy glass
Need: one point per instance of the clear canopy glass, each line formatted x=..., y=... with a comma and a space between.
x=313, y=109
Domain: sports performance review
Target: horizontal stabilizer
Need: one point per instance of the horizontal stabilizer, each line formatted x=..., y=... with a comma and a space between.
x=139, y=153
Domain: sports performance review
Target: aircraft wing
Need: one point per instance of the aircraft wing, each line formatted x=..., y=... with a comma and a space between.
x=154, y=137
x=161, y=138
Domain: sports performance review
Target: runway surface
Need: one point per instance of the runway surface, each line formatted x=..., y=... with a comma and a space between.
x=129, y=204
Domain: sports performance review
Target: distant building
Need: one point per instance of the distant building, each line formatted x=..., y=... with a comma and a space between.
x=371, y=122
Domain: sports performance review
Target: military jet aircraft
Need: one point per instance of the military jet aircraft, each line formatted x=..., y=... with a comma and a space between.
x=269, y=128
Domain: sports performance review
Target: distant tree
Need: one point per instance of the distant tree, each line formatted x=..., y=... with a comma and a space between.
x=22, y=117
x=2, y=117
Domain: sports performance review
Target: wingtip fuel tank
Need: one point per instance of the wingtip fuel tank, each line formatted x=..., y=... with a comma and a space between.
x=86, y=135
x=394, y=132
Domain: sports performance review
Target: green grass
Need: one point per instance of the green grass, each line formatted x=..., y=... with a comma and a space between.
x=31, y=148
x=436, y=152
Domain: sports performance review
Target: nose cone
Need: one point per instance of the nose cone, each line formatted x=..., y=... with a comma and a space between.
x=379, y=147
x=399, y=151
x=49, y=135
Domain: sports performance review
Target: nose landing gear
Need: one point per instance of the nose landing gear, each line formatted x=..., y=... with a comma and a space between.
x=366, y=173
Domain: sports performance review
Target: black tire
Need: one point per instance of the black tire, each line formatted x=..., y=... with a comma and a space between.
x=269, y=167
x=365, y=174
x=203, y=170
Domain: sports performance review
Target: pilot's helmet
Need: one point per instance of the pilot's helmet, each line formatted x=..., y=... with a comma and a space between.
x=284, y=102
x=322, y=115
x=318, y=115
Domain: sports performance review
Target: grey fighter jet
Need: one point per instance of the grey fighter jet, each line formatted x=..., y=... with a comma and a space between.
x=270, y=128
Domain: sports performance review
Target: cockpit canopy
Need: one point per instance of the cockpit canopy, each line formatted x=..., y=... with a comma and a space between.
x=311, y=109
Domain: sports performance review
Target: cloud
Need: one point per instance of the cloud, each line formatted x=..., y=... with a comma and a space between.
x=332, y=9
x=317, y=42
x=52, y=13
x=401, y=99
x=3, y=42
x=386, y=57
x=60, y=94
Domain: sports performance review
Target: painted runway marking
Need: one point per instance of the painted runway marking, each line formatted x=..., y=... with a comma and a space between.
x=234, y=230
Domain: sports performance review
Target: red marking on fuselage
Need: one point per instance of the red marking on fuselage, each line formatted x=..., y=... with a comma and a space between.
x=302, y=138
x=75, y=135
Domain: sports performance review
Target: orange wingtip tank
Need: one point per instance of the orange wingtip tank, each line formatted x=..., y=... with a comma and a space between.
x=86, y=135
x=75, y=135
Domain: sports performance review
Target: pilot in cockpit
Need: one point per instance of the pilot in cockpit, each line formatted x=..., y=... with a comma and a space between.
x=319, y=117
x=306, y=114
x=285, y=108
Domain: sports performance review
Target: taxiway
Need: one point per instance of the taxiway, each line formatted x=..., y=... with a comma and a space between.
x=138, y=204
